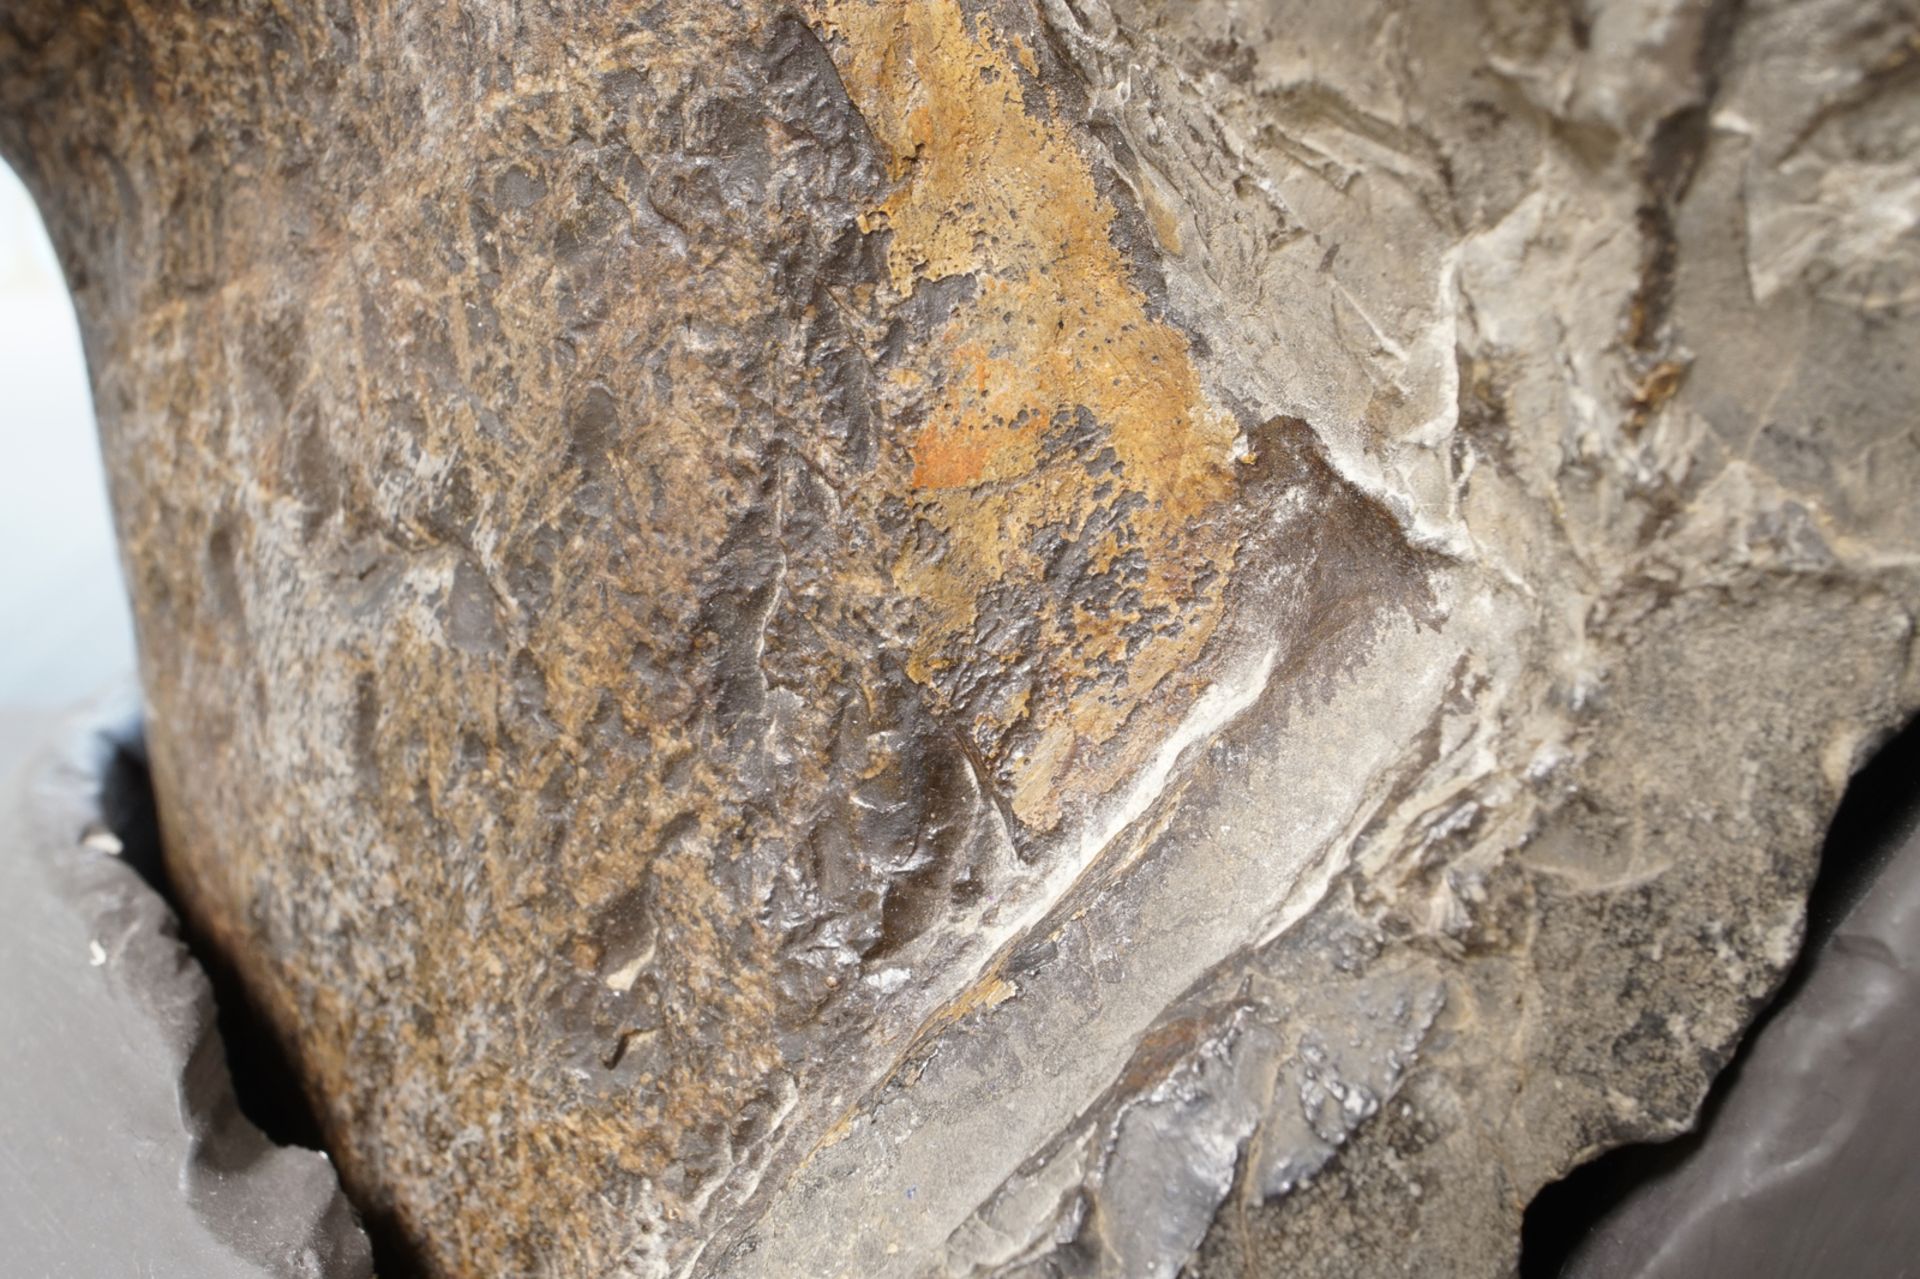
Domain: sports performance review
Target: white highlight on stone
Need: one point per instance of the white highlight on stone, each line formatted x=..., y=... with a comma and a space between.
x=1216, y=708
x=623, y=977
x=101, y=840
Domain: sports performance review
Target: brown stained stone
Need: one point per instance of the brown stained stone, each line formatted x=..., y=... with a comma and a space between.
x=994, y=636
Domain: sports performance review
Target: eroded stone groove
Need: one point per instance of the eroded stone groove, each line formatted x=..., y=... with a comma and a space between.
x=994, y=636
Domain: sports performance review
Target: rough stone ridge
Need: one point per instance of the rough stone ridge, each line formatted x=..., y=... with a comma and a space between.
x=996, y=636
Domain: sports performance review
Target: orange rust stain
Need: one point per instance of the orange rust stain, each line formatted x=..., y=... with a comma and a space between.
x=990, y=185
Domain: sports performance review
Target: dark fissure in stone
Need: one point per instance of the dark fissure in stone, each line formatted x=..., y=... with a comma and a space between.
x=264, y=1081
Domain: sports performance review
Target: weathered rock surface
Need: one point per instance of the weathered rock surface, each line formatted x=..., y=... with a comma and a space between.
x=1803, y=1159
x=996, y=636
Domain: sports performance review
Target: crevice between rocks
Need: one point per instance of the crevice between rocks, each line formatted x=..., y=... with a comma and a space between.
x=263, y=1077
x=265, y=1083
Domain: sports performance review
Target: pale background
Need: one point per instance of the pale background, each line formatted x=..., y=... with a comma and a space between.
x=64, y=630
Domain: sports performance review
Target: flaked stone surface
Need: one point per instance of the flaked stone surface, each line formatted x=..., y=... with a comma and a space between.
x=887, y=637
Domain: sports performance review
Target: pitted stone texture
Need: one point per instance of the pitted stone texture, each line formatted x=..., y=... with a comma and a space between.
x=834, y=637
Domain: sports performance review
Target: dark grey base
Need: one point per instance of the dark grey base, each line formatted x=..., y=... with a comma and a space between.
x=125, y=1152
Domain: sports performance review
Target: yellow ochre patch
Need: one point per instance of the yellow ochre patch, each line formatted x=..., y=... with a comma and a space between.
x=989, y=184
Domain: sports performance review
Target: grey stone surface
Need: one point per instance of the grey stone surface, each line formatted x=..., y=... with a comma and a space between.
x=124, y=1151
x=1811, y=1165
